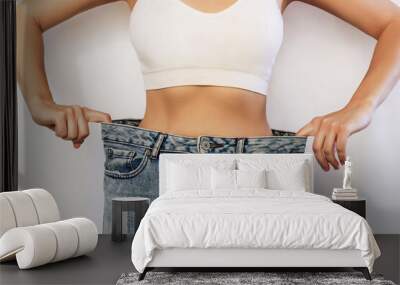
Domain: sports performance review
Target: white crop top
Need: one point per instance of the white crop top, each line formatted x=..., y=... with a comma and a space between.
x=180, y=45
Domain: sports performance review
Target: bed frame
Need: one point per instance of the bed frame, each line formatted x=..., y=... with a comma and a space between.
x=249, y=258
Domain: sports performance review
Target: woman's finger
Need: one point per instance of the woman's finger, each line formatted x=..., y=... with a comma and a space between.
x=329, y=148
x=317, y=148
x=60, y=125
x=96, y=116
x=341, y=146
x=307, y=130
x=311, y=128
x=83, y=127
x=71, y=124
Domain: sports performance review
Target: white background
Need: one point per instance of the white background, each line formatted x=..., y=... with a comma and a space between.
x=90, y=61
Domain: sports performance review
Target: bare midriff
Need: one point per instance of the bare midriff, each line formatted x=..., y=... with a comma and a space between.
x=195, y=110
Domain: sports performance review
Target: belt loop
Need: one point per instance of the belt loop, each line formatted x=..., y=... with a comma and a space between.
x=198, y=144
x=156, y=147
x=240, y=145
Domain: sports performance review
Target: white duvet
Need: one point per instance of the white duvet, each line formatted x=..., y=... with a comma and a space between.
x=251, y=218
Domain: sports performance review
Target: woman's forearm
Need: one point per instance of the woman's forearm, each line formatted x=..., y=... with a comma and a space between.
x=34, y=17
x=384, y=70
x=31, y=74
x=331, y=131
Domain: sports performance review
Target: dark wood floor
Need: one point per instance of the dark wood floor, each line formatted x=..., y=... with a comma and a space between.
x=110, y=260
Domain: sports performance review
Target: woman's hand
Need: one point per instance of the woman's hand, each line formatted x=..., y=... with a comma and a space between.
x=331, y=132
x=69, y=122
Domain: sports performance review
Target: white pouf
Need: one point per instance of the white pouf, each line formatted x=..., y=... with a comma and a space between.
x=31, y=231
x=40, y=244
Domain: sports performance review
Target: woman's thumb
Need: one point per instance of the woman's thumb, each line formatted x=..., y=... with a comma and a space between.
x=307, y=130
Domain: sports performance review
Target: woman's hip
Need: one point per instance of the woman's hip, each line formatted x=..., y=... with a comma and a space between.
x=127, y=132
x=130, y=150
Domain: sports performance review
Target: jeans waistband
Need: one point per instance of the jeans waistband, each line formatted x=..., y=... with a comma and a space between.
x=126, y=131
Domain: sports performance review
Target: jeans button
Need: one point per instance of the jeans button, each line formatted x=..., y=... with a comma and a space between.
x=205, y=144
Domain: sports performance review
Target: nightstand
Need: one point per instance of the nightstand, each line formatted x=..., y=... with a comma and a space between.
x=358, y=206
x=138, y=205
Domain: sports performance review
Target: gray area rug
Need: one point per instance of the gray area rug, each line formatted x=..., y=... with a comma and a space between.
x=244, y=278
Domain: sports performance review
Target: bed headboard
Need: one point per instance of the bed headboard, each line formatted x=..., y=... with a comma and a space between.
x=164, y=158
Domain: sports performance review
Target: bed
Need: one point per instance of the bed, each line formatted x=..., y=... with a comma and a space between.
x=247, y=210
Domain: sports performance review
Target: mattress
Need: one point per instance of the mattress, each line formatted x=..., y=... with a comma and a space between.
x=250, y=218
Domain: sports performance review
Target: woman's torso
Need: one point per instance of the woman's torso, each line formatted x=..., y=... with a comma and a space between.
x=194, y=110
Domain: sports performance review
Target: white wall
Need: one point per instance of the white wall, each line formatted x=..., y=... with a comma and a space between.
x=90, y=61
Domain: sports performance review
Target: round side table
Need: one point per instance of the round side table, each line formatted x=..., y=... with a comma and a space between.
x=138, y=205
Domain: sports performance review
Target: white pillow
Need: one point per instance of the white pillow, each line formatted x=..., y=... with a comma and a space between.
x=232, y=179
x=283, y=172
x=251, y=178
x=181, y=177
x=223, y=179
x=293, y=178
x=189, y=174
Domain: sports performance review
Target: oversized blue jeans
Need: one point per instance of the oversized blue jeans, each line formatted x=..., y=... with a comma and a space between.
x=131, y=157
